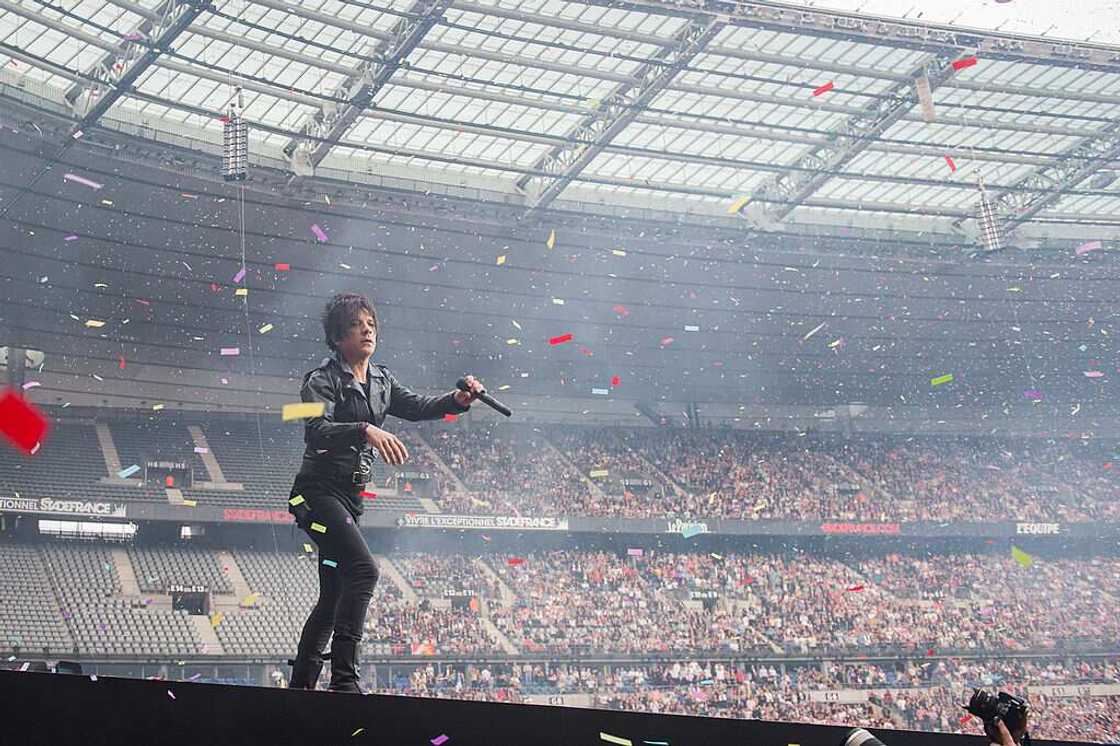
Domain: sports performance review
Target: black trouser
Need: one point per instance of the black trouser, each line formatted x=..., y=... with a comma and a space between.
x=347, y=576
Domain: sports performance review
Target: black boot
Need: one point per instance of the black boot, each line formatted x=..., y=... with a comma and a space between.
x=306, y=670
x=344, y=666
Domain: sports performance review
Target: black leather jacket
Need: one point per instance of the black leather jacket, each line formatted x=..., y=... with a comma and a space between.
x=337, y=450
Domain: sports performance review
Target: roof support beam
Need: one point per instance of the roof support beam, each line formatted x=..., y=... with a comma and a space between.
x=1045, y=186
x=882, y=32
x=113, y=75
x=780, y=195
x=617, y=111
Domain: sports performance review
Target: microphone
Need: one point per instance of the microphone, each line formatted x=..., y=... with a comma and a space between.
x=485, y=398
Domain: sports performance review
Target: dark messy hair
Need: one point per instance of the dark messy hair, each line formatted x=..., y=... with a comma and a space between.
x=341, y=311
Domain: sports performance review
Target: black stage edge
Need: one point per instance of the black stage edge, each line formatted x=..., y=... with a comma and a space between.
x=43, y=708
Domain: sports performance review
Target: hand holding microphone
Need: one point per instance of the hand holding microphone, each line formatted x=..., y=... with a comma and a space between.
x=474, y=389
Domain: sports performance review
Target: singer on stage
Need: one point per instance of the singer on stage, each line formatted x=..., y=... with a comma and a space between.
x=326, y=497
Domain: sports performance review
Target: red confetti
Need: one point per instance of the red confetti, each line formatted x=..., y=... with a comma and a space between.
x=121, y=363
x=367, y=494
x=1108, y=464
x=966, y=718
x=963, y=63
x=450, y=417
x=282, y=266
x=823, y=89
x=169, y=480
x=855, y=588
x=561, y=339
x=666, y=341
x=515, y=561
x=952, y=166
x=621, y=310
x=21, y=422
x=929, y=653
x=615, y=380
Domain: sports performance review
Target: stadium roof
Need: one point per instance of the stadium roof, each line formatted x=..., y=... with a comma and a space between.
x=791, y=113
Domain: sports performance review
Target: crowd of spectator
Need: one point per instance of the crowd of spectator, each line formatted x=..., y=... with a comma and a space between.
x=690, y=474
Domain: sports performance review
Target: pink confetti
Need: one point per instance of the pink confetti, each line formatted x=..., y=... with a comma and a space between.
x=634, y=552
x=1085, y=248
x=952, y=166
x=201, y=449
x=665, y=341
x=1093, y=374
x=31, y=385
x=231, y=350
x=171, y=694
x=319, y=232
x=133, y=36
x=1033, y=394
x=440, y=740
x=621, y=310
x=70, y=238
x=81, y=180
x=239, y=276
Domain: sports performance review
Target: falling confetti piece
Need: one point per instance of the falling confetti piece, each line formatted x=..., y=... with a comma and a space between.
x=191, y=503
x=242, y=292
x=330, y=563
x=302, y=410
x=855, y=589
x=561, y=339
x=319, y=528
x=1033, y=394
x=632, y=552
x=94, y=324
x=835, y=343
x=691, y=328
x=1021, y=557
x=231, y=351
x=615, y=380
x=282, y=266
x=126, y=473
x=1093, y=373
x=621, y=310
x=1085, y=248
x=551, y=242
x=597, y=473
x=941, y=379
x=31, y=385
x=265, y=329
x=515, y=324
x=515, y=561
x=823, y=89
x=239, y=276
x=201, y=449
x=171, y=694
x=618, y=252
x=83, y=181
x=121, y=363
x=319, y=232
x=359, y=730
x=367, y=494
x=615, y=739
x=157, y=407
x=815, y=329
x=450, y=417
x=963, y=63
x=1076, y=409
x=952, y=166
x=501, y=260
x=737, y=205
x=666, y=341
x=297, y=500
x=308, y=548
x=70, y=238
x=557, y=301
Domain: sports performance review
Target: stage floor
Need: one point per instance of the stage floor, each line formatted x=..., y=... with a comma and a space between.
x=41, y=708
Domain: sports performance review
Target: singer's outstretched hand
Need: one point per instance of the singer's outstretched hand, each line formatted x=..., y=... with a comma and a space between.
x=476, y=387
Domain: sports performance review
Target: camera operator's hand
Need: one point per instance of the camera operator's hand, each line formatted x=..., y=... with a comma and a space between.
x=999, y=734
x=390, y=447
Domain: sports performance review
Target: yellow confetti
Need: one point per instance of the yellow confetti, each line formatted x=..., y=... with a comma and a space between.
x=190, y=503
x=618, y=252
x=157, y=407
x=265, y=329
x=941, y=379
x=319, y=527
x=595, y=473
x=551, y=239
x=1021, y=557
x=503, y=387
x=512, y=342
x=501, y=260
x=737, y=205
x=615, y=739
x=216, y=619
x=296, y=500
x=308, y=548
x=241, y=291
x=94, y=324
x=302, y=410
x=1014, y=290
